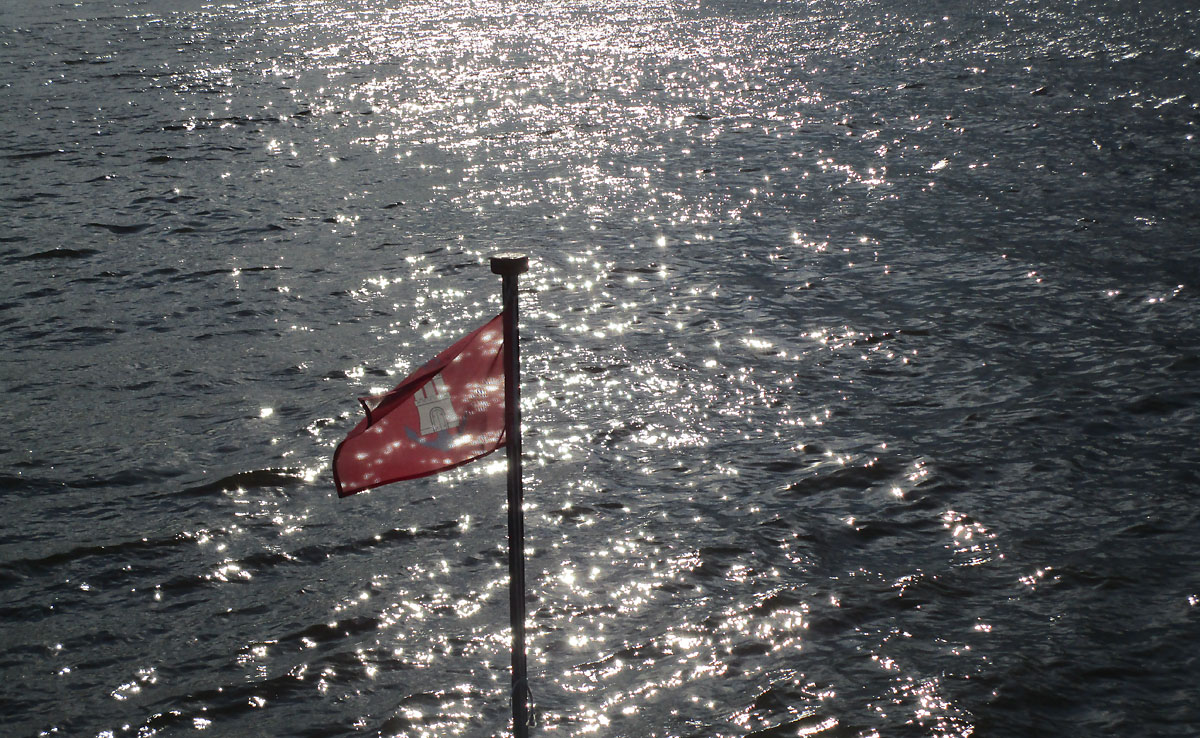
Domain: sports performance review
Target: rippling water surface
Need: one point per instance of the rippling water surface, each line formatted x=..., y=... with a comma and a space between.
x=861, y=361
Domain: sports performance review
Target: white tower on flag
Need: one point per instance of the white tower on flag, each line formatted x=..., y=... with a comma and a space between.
x=434, y=407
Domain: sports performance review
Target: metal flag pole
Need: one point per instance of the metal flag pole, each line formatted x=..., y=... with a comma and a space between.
x=509, y=266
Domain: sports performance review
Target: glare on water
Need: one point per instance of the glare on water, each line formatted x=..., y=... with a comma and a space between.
x=852, y=354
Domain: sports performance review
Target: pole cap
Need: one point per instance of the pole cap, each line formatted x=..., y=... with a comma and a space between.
x=511, y=263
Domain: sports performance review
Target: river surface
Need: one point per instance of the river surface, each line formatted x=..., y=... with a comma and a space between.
x=861, y=361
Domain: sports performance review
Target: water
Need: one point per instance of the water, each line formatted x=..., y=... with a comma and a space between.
x=861, y=358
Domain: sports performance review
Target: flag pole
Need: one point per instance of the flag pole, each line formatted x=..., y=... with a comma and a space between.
x=509, y=266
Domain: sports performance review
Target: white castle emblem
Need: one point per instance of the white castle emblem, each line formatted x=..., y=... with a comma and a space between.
x=434, y=407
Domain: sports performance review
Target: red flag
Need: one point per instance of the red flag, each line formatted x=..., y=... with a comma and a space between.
x=447, y=413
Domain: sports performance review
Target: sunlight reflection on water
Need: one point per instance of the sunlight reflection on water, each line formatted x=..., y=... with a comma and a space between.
x=811, y=353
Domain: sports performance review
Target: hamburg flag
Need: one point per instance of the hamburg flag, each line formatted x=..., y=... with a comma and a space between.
x=447, y=413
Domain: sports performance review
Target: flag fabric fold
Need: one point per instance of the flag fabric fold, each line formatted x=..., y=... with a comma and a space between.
x=447, y=413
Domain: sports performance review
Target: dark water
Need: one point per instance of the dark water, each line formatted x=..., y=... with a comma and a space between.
x=862, y=365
